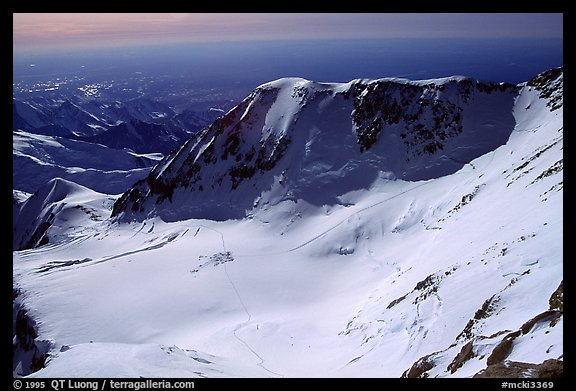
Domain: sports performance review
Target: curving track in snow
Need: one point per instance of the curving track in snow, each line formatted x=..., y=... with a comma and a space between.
x=242, y=303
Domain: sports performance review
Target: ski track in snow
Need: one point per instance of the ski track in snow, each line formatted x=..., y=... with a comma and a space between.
x=360, y=211
x=244, y=308
x=410, y=329
x=344, y=220
x=246, y=322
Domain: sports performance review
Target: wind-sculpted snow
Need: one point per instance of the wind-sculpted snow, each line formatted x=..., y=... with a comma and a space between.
x=297, y=139
x=459, y=275
x=58, y=204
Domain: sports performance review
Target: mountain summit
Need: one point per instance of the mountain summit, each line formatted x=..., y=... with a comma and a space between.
x=297, y=139
x=377, y=228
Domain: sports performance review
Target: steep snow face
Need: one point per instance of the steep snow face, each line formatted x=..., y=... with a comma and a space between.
x=444, y=277
x=297, y=139
x=56, y=207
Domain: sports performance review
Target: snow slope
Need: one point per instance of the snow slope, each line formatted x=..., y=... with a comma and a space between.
x=396, y=275
x=56, y=204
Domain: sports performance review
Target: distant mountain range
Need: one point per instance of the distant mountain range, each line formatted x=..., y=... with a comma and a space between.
x=106, y=146
x=376, y=228
x=141, y=125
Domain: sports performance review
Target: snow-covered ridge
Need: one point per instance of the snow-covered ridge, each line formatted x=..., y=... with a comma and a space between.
x=459, y=275
x=288, y=82
x=291, y=137
x=52, y=206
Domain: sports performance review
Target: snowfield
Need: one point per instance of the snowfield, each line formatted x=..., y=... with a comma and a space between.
x=396, y=277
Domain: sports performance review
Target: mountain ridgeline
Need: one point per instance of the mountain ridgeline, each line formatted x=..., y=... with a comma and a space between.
x=102, y=144
x=141, y=125
x=422, y=220
x=297, y=139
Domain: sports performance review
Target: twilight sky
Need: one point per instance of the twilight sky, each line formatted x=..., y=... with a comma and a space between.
x=72, y=30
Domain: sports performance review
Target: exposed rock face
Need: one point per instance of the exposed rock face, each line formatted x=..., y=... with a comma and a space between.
x=29, y=354
x=456, y=276
x=549, y=84
x=497, y=363
x=419, y=368
x=292, y=137
x=551, y=368
x=465, y=354
x=512, y=369
x=502, y=350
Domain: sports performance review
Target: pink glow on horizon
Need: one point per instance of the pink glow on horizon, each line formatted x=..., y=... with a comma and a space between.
x=55, y=30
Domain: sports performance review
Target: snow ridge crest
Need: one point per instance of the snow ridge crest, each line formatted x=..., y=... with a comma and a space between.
x=293, y=138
